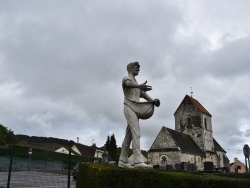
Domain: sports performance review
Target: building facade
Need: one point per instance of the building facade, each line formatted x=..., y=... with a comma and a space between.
x=192, y=140
x=237, y=166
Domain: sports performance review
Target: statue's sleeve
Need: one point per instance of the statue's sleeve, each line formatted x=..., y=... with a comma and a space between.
x=125, y=79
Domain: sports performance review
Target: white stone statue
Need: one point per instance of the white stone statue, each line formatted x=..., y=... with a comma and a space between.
x=133, y=111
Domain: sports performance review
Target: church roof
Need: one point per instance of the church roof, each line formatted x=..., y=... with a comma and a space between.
x=196, y=103
x=184, y=143
x=217, y=146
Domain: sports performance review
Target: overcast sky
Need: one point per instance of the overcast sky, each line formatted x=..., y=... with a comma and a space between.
x=62, y=62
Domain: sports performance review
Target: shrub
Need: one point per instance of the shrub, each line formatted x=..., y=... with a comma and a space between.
x=93, y=175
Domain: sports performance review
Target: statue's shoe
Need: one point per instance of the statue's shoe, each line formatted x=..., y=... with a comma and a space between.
x=124, y=165
x=143, y=165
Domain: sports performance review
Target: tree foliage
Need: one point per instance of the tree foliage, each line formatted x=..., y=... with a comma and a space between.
x=107, y=145
x=3, y=134
x=7, y=136
x=111, y=147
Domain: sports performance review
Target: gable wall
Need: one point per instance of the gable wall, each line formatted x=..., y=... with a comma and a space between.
x=76, y=149
x=235, y=164
x=163, y=140
x=63, y=150
x=98, y=153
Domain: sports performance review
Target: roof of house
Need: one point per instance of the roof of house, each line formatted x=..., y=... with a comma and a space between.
x=185, y=143
x=86, y=151
x=196, y=103
x=217, y=146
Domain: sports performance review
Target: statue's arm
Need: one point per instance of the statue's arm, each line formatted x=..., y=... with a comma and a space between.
x=147, y=97
x=129, y=84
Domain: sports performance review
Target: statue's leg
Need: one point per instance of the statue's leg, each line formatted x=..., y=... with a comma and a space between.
x=133, y=124
x=125, y=146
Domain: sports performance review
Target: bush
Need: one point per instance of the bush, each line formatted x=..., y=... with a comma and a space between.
x=94, y=175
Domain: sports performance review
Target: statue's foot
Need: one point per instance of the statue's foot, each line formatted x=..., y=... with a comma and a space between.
x=124, y=165
x=143, y=165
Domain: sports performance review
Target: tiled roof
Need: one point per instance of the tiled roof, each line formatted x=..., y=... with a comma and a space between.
x=196, y=103
x=183, y=141
x=75, y=153
x=86, y=151
x=217, y=146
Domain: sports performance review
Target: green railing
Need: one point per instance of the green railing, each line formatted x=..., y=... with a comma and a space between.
x=38, y=160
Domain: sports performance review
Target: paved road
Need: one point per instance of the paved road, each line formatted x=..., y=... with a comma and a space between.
x=29, y=179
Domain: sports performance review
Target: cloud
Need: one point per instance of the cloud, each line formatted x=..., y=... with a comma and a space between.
x=62, y=64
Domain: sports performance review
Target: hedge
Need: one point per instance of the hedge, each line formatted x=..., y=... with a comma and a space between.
x=95, y=175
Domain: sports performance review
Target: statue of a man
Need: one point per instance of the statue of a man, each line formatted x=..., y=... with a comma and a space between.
x=133, y=111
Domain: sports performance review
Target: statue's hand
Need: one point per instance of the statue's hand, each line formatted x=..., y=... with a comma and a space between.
x=157, y=102
x=145, y=87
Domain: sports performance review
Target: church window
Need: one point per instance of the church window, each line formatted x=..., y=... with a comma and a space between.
x=205, y=122
x=164, y=158
x=189, y=125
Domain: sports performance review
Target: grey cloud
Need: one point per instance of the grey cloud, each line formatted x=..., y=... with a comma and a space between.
x=231, y=60
x=62, y=65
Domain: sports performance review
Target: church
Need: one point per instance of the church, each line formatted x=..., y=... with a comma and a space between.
x=192, y=140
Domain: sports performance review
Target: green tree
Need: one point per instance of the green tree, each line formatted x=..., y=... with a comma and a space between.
x=7, y=136
x=107, y=145
x=113, y=148
x=3, y=134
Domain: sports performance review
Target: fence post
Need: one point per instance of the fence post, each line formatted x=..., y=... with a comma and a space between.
x=69, y=167
x=45, y=165
x=29, y=162
x=10, y=167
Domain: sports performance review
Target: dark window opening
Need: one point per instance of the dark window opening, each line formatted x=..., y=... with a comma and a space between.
x=205, y=121
x=189, y=125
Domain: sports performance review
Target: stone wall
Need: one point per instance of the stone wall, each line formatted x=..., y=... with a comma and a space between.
x=198, y=160
x=172, y=157
x=188, y=110
x=163, y=140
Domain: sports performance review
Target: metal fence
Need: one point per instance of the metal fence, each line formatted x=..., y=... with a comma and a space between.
x=17, y=159
x=26, y=164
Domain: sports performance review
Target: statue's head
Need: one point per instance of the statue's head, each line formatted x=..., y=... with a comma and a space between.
x=133, y=67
